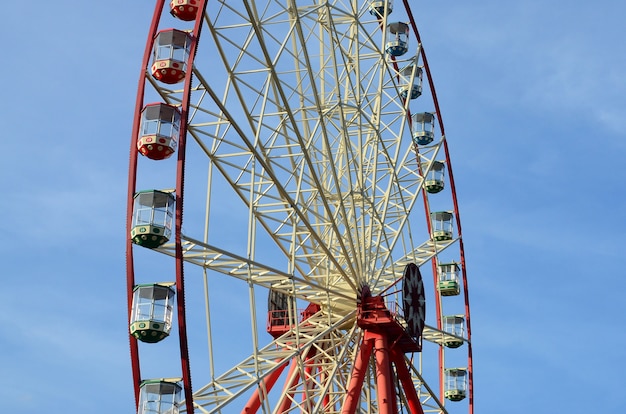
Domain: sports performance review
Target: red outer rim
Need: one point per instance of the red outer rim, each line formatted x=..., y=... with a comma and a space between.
x=456, y=214
x=132, y=182
x=180, y=180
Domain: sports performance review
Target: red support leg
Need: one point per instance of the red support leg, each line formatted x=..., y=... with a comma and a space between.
x=357, y=377
x=254, y=403
x=292, y=377
x=309, y=372
x=384, y=377
x=415, y=406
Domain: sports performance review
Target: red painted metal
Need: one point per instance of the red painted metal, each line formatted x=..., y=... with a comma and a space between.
x=180, y=180
x=254, y=403
x=279, y=323
x=386, y=395
x=132, y=184
x=386, y=339
x=292, y=376
x=373, y=315
x=292, y=379
x=353, y=392
x=415, y=406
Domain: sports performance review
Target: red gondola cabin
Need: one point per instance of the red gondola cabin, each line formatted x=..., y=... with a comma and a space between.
x=170, y=54
x=186, y=10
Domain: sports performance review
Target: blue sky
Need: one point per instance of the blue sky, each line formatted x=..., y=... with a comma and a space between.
x=532, y=95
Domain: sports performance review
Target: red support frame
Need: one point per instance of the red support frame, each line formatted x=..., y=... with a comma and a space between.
x=386, y=357
x=385, y=340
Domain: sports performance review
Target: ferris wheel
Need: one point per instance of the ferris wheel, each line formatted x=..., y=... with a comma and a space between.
x=319, y=267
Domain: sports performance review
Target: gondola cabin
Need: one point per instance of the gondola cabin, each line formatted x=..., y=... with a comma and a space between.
x=159, y=396
x=158, y=134
x=456, y=383
x=151, y=318
x=186, y=10
x=153, y=212
x=448, y=279
x=411, y=80
x=434, y=178
x=455, y=325
x=423, y=128
x=397, y=39
x=377, y=7
x=441, y=225
x=169, y=55
x=280, y=315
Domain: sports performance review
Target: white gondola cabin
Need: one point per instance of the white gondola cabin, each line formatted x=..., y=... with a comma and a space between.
x=153, y=211
x=158, y=134
x=434, y=178
x=186, y=10
x=423, y=128
x=411, y=80
x=448, y=279
x=169, y=55
x=158, y=396
x=151, y=318
x=455, y=325
x=377, y=7
x=456, y=383
x=441, y=225
x=397, y=38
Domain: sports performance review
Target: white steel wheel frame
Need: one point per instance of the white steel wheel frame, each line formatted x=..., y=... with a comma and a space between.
x=296, y=117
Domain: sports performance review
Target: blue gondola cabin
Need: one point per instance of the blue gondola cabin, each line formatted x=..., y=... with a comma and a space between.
x=397, y=39
x=423, y=128
x=377, y=7
x=411, y=80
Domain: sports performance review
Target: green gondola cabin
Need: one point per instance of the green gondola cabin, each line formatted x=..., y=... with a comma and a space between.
x=455, y=325
x=151, y=318
x=448, y=279
x=153, y=212
x=434, y=178
x=456, y=383
x=441, y=225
